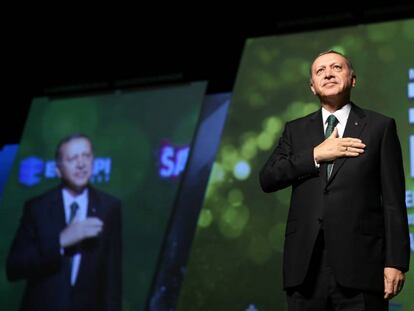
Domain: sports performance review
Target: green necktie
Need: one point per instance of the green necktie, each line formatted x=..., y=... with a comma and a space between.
x=332, y=122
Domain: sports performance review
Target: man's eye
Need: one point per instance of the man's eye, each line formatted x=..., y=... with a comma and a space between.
x=337, y=67
x=72, y=159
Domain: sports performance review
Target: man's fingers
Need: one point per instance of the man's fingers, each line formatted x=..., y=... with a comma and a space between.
x=356, y=145
x=351, y=154
x=392, y=288
x=92, y=226
x=395, y=288
x=352, y=143
x=388, y=289
x=350, y=151
x=334, y=147
x=80, y=230
x=352, y=147
x=351, y=140
x=400, y=285
x=353, y=150
x=92, y=221
x=393, y=282
x=90, y=232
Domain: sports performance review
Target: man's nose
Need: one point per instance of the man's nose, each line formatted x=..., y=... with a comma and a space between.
x=80, y=163
x=328, y=73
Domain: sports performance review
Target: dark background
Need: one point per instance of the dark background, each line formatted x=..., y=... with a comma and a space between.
x=73, y=50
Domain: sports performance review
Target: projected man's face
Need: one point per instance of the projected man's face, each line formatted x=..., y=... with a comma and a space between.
x=331, y=76
x=75, y=164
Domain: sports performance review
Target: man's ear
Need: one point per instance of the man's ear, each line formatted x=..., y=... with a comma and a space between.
x=58, y=172
x=312, y=88
x=353, y=81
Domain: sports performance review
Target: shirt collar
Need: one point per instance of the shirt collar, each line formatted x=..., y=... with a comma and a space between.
x=341, y=114
x=80, y=199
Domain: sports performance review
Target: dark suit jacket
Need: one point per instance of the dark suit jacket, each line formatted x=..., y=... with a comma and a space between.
x=362, y=206
x=35, y=255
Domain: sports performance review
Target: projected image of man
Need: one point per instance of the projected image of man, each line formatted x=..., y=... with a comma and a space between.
x=68, y=245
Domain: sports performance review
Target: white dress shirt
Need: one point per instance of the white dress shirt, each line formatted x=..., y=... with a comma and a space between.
x=342, y=116
x=81, y=214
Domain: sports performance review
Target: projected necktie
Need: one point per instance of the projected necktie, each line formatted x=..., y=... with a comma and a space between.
x=332, y=122
x=73, y=209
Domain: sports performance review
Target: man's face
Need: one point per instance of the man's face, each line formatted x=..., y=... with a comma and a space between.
x=331, y=76
x=75, y=165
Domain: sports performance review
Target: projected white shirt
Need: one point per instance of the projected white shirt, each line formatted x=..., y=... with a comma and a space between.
x=81, y=214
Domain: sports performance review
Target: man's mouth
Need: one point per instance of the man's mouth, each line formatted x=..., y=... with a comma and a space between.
x=80, y=175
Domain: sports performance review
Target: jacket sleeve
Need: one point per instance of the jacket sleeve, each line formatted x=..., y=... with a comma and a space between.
x=32, y=254
x=114, y=260
x=397, y=240
x=286, y=165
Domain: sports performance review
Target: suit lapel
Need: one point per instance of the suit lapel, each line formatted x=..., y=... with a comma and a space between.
x=89, y=246
x=315, y=129
x=57, y=210
x=315, y=134
x=354, y=126
x=57, y=222
x=93, y=204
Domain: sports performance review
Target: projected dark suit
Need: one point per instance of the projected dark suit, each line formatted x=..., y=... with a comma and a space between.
x=359, y=212
x=35, y=256
x=51, y=240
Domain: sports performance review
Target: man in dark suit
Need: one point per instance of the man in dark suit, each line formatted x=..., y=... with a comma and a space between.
x=68, y=244
x=347, y=241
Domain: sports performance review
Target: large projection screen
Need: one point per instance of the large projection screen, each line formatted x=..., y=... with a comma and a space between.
x=236, y=259
x=141, y=140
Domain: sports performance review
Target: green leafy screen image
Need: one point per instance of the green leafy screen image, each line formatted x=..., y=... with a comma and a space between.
x=128, y=130
x=236, y=258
